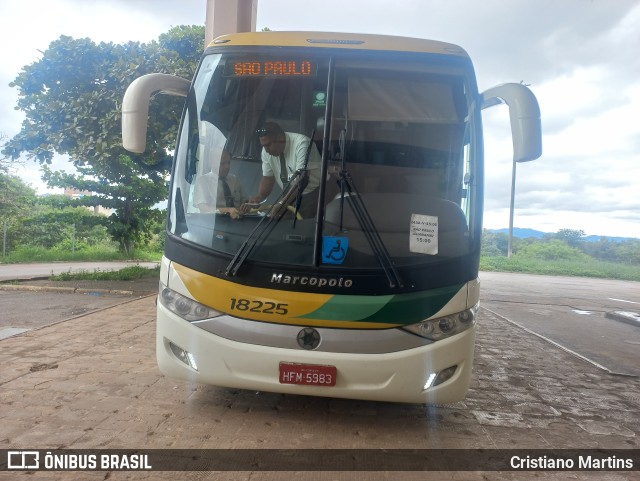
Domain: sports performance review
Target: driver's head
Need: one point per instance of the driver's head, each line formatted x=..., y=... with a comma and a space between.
x=272, y=138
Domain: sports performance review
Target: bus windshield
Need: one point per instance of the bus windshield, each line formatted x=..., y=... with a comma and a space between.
x=348, y=147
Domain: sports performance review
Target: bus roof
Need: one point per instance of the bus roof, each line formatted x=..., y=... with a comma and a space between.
x=355, y=41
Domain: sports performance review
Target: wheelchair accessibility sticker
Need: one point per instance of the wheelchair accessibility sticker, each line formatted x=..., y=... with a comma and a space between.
x=334, y=249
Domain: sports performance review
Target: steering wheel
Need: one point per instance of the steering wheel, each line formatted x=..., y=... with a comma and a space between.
x=292, y=209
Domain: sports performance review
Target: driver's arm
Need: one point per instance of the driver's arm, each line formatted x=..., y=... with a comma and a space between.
x=264, y=189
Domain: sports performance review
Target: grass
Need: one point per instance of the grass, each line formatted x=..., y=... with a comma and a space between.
x=126, y=274
x=40, y=254
x=578, y=268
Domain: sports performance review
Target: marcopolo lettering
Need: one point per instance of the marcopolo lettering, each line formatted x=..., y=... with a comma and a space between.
x=278, y=278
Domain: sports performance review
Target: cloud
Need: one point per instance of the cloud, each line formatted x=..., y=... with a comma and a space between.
x=579, y=56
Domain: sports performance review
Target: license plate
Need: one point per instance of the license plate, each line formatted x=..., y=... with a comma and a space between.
x=307, y=374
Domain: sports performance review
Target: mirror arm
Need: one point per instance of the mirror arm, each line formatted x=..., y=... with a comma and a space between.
x=135, y=106
x=524, y=114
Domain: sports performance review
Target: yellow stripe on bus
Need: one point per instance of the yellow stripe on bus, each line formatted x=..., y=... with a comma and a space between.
x=268, y=305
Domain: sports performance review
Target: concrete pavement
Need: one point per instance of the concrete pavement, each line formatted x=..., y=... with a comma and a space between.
x=92, y=382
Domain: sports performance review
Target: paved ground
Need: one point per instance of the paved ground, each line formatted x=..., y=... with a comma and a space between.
x=92, y=382
x=31, y=304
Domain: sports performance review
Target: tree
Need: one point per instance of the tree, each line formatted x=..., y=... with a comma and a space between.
x=53, y=221
x=552, y=250
x=570, y=236
x=3, y=161
x=16, y=201
x=15, y=197
x=494, y=244
x=72, y=99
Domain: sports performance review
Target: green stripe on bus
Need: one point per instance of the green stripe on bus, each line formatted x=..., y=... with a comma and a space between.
x=401, y=309
x=348, y=308
x=408, y=309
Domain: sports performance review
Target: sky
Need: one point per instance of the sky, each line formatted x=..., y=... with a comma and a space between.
x=578, y=56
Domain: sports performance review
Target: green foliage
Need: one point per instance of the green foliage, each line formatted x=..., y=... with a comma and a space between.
x=3, y=161
x=552, y=250
x=15, y=197
x=55, y=223
x=588, y=268
x=563, y=253
x=59, y=228
x=570, y=236
x=72, y=100
x=24, y=254
x=126, y=274
x=50, y=227
x=494, y=243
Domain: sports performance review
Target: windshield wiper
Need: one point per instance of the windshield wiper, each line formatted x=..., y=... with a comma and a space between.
x=267, y=223
x=348, y=190
x=294, y=190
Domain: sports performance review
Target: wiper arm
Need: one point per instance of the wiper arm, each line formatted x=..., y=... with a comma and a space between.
x=268, y=222
x=363, y=217
x=348, y=190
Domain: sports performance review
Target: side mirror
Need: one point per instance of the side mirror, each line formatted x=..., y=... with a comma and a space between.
x=524, y=114
x=135, y=106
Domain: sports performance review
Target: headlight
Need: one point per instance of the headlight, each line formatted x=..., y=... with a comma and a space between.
x=186, y=308
x=443, y=327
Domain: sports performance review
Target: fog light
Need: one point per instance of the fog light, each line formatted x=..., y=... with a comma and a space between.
x=184, y=356
x=438, y=378
x=430, y=379
x=445, y=375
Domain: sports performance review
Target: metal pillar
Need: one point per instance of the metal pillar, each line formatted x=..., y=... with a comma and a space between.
x=229, y=16
x=511, y=209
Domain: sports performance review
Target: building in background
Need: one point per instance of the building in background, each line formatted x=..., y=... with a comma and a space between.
x=77, y=194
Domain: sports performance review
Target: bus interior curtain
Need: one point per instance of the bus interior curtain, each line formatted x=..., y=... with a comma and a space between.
x=401, y=100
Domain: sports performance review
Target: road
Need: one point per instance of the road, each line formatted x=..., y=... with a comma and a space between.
x=92, y=382
x=571, y=312
x=24, y=310
x=30, y=271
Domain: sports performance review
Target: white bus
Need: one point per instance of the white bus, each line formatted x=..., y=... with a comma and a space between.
x=347, y=266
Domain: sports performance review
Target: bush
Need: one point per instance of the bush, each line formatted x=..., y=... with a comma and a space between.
x=573, y=267
x=553, y=250
x=126, y=274
x=89, y=253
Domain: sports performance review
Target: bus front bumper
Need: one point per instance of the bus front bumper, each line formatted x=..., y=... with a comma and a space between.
x=184, y=351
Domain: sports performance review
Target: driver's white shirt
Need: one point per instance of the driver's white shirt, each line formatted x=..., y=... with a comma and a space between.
x=295, y=150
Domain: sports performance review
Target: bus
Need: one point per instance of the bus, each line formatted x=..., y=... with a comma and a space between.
x=343, y=261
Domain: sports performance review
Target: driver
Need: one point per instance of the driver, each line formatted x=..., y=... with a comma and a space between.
x=283, y=153
x=226, y=198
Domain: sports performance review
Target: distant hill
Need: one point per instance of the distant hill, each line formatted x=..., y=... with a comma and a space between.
x=523, y=233
x=596, y=238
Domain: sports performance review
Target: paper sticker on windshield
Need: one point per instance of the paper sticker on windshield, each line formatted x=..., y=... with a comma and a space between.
x=334, y=249
x=423, y=235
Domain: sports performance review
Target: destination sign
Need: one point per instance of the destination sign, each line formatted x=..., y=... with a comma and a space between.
x=270, y=68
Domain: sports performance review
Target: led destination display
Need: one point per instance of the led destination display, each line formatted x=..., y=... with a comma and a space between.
x=270, y=68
